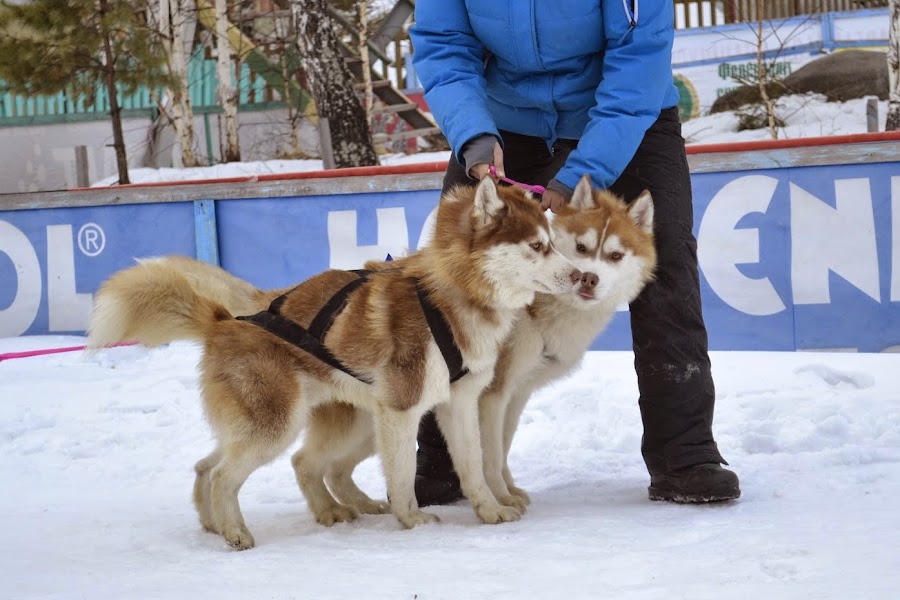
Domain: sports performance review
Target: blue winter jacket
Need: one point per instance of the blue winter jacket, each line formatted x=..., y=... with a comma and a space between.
x=595, y=70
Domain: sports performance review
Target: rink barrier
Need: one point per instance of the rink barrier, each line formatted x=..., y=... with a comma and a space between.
x=799, y=240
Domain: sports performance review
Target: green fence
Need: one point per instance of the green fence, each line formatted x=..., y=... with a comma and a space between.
x=17, y=109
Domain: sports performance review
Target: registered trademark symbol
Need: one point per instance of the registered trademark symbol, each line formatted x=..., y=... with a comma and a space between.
x=91, y=239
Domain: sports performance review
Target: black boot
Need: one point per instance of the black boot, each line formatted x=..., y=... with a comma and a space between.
x=707, y=482
x=436, y=481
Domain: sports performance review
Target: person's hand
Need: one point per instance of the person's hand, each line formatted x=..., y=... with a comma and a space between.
x=482, y=170
x=553, y=200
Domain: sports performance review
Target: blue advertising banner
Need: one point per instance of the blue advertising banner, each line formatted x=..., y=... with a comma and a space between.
x=801, y=258
x=797, y=258
x=278, y=242
x=53, y=260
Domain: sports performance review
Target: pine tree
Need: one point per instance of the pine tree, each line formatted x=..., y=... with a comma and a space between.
x=76, y=47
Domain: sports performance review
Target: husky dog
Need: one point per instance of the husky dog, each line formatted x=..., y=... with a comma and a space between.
x=612, y=244
x=261, y=377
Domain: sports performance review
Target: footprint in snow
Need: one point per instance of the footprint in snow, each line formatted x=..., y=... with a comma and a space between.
x=835, y=378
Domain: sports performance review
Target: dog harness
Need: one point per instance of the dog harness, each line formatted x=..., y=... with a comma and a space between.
x=311, y=340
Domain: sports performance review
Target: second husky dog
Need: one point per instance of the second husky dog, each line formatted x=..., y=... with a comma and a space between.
x=261, y=377
x=611, y=242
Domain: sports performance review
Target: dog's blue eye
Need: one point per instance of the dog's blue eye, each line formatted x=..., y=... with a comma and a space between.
x=537, y=246
x=616, y=256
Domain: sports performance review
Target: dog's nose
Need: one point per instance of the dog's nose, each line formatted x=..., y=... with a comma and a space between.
x=575, y=276
x=589, y=280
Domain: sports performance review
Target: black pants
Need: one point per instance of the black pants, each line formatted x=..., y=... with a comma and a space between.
x=677, y=394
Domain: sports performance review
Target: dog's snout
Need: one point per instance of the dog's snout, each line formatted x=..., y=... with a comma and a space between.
x=575, y=276
x=589, y=280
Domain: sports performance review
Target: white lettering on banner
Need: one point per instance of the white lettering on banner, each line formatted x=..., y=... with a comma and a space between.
x=895, y=239
x=427, y=229
x=393, y=237
x=839, y=239
x=91, y=239
x=721, y=247
x=67, y=309
x=16, y=318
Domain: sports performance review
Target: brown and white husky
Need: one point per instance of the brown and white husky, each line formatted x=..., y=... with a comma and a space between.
x=611, y=242
x=490, y=253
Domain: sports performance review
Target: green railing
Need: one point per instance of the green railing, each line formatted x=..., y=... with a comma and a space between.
x=17, y=109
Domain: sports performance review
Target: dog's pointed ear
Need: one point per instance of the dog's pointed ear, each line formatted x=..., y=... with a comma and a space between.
x=583, y=197
x=488, y=205
x=641, y=211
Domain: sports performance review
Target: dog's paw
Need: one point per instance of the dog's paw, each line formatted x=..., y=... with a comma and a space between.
x=239, y=538
x=515, y=502
x=493, y=514
x=417, y=518
x=207, y=524
x=208, y=527
x=519, y=493
x=336, y=514
x=373, y=507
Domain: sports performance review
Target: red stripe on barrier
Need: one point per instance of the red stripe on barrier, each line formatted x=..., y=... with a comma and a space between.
x=411, y=168
x=440, y=166
x=830, y=140
x=45, y=351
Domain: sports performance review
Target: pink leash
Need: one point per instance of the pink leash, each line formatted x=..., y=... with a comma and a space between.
x=537, y=189
x=30, y=353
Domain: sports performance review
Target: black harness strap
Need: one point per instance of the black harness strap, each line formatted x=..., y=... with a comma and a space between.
x=310, y=340
x=443, y=337
x=275, y=306
x=294, y=334
x=324, y=319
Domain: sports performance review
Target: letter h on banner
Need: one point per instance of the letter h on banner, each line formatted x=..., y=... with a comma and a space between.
x=345, y=252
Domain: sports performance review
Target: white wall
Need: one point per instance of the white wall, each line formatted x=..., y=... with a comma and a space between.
x=42, y=157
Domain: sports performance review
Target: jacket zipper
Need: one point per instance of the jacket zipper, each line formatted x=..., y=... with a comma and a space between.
x=631, y=15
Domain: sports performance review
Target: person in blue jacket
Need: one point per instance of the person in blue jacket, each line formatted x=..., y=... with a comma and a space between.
x=546, y=91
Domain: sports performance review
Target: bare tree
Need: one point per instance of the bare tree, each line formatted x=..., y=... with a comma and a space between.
x=172, y=17
x=893, y=61
x=227, y=93
x=332, y=85
x=762, y=85
x=762, y=71
x=362, y=8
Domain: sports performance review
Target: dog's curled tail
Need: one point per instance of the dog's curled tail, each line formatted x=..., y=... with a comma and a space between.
x=153, y=304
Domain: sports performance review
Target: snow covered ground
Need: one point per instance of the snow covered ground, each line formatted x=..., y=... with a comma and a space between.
x=96, y=457
x=97, y=454
x=807, y=115
x=804, y=116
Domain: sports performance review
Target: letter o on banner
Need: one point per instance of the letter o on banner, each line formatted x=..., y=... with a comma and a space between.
x=16, y=318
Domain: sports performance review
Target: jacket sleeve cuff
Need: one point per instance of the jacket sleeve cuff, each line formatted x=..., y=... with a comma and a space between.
x=478, y=150
x=565, y=190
